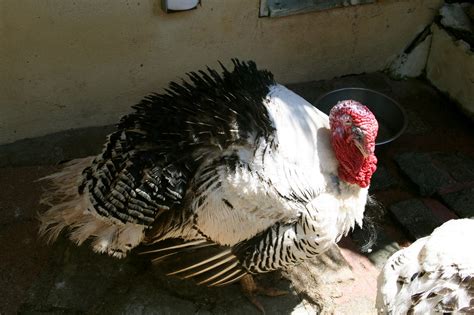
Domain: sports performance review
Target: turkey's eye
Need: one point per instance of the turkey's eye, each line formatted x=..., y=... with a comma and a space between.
x=357, y=133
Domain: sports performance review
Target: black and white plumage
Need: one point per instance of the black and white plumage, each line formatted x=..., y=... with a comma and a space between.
x=434, y=275
x=233, y=172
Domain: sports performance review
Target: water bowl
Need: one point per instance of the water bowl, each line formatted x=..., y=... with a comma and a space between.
x=389, y=114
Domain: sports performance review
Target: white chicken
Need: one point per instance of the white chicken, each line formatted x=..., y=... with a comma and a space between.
x=434, y=275
x=233, y=172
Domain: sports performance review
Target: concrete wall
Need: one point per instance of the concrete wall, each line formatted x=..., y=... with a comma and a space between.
x=70, y=64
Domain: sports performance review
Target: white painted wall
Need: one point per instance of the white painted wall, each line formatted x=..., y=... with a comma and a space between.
x=70, y=64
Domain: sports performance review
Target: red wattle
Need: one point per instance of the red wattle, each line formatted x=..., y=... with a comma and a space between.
x=353, y=167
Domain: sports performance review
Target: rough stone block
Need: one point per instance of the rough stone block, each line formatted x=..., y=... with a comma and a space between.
x=462, y=202
x=453, y=16
x=415, y=217
x=412, y=63
x=450, y=68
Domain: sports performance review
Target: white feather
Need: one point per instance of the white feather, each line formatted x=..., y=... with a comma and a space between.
x=443, y=261
x=302, y=162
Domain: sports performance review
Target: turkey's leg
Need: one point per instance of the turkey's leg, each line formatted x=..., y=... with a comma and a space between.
x=250, y=289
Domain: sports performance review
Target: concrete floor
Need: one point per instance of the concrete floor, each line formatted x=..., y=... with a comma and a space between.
x=60, y=278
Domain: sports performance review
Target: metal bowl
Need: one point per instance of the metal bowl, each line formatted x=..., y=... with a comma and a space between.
x=389, y=114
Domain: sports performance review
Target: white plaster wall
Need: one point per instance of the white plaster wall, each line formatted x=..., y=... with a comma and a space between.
x=78, y=63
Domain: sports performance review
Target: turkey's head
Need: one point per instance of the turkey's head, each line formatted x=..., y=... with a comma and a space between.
x=354, y=129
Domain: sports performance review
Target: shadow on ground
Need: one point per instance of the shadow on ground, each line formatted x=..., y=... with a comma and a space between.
x=79, y=281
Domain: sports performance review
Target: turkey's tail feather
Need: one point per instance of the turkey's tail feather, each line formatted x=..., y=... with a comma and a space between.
x=67, y=206
x=206, y=262
x=72, y=211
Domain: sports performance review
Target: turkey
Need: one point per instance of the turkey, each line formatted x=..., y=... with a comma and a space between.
x=434, y=275
x=232, y=174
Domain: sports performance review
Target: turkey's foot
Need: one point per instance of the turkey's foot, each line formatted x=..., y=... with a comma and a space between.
x=251, y=289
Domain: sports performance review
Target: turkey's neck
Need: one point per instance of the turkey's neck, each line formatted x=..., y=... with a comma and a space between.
x=351, y=212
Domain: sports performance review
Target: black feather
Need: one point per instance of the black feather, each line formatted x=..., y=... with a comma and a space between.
x=147, y=165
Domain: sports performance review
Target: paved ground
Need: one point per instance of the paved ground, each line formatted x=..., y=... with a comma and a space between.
x=424, y=178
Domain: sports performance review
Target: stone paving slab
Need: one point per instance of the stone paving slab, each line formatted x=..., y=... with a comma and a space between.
x=433, y=172
x=458, y=165
x=415, y=217
x=462, y=202
x=420, y=169
x=440, y=210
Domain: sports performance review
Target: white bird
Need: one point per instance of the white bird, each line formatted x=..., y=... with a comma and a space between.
x=434, y=275
x=233, y=174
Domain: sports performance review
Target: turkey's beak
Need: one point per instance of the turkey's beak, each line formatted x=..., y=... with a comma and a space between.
x=361, y=148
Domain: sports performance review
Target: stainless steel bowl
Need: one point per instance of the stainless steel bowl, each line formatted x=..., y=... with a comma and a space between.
x=389, y=114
